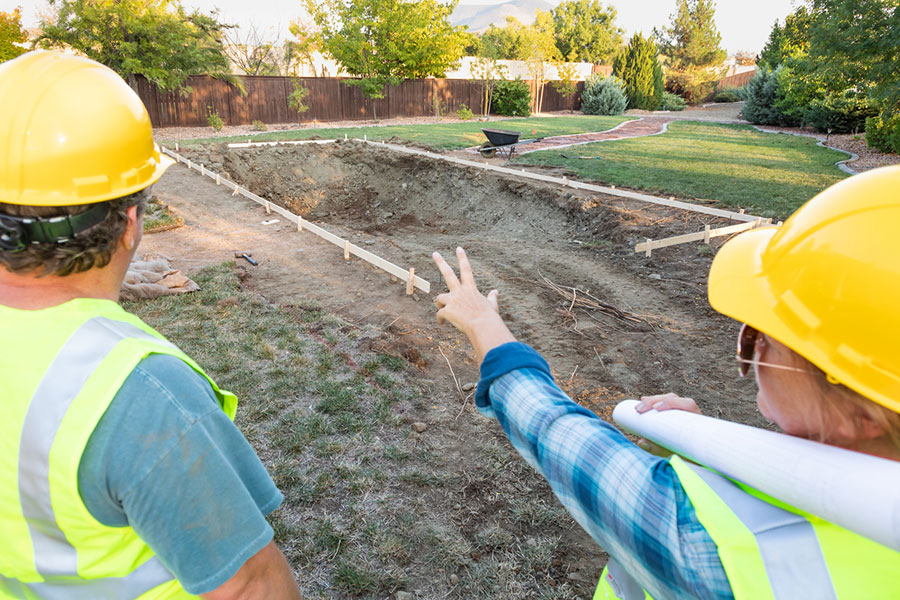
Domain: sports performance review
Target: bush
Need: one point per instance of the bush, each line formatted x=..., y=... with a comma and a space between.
x=845, y=112
x=465, y=113
x=727, y=95
x=512, y=98
x=213, y=118
x=603, y=96
x=694, y=84
x=258, y=126
x=761, y=96
x=672, y=102
x=883, y=132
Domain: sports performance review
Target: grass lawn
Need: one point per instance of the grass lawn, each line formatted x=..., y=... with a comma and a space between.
x=371, y=506
x=737, y=166
x=158, y=217
x=444, y=136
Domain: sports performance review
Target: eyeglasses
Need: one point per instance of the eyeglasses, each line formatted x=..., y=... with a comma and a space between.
x=746, y=349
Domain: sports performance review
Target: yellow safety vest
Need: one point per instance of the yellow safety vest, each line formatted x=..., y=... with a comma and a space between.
x=60, y=368
x=772, y=551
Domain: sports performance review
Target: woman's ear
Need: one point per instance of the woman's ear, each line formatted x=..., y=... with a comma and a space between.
x=853, y=424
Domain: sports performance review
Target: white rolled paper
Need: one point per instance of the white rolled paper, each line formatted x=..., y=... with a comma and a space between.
x=856, y=491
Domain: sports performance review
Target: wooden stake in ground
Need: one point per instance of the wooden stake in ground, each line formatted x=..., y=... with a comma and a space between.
x=411, y=282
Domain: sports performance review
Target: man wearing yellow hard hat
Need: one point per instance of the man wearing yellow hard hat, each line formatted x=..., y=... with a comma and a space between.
x=818, y=299
x=121, y=473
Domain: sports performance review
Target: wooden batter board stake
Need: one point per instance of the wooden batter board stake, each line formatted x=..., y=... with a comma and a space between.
x=412, y=280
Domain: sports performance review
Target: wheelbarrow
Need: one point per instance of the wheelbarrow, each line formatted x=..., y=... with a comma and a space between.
x=502, y=140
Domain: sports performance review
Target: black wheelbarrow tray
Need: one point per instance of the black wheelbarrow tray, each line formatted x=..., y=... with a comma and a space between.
x=502, y=140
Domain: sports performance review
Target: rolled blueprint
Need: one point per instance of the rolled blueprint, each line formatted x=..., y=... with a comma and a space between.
x=856, y=491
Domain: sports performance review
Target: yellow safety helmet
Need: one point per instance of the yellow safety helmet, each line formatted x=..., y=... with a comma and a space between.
x=71, y=132
x=827, y=283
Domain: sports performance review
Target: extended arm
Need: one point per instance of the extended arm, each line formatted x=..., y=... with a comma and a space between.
x=630, y=502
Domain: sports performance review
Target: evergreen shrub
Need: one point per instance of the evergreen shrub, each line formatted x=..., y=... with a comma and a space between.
x=883, y=132
x=512, y=98
x=672, y=102
x=845, y=112
x=603, y=95
x=639, y=68
x=727, y=95
x=761, y=95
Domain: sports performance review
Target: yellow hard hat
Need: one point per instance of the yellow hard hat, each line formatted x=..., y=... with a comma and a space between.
x=71, y=132
x=827, y=283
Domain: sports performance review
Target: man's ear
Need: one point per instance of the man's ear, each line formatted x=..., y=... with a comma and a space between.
x=128, y=240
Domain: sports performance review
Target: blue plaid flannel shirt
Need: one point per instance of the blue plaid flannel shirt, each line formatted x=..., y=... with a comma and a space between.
x=629, y=501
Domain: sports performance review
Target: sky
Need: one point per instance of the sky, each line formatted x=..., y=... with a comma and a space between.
x=743, y=25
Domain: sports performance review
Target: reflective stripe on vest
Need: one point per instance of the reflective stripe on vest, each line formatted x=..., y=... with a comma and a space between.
x=787, y=542
x=54, y=557
x=146, y=577
x=618, y=582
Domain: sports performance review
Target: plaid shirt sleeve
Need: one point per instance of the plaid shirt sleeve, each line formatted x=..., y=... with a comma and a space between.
x=629, y=501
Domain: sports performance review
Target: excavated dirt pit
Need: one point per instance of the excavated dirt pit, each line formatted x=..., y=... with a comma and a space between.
x=638, y=325
x=635, y=325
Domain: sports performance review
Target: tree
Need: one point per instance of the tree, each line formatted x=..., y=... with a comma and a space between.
x=299, y=51
x=11, y=34
x=252, y=52
x=487, y=71
x=385, y=41
x=858, y=43
x=639, y=68
x=158, y=39
x=586, y=31
x=537, y=46
x=566, y=85
x=691, y=43
x=788, y=40
x=502, y=43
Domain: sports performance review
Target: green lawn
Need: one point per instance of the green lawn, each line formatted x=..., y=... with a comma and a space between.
x=768, y=174
x=444, y=136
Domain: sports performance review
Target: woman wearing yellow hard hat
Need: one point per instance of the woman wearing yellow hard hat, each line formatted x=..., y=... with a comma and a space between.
x=817, y=299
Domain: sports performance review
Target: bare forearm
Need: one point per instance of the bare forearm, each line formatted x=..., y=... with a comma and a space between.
x=486, y=334
x=266, y=575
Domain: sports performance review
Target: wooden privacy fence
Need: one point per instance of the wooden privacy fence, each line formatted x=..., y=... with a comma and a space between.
x=329, y=99
x=738, y=80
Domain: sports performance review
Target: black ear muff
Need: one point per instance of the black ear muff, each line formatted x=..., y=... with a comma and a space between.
x=11, y=233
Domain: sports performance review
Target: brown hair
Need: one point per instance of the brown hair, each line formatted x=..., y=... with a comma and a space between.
x=90, y=248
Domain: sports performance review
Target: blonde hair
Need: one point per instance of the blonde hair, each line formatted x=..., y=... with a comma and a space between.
x=852, y=407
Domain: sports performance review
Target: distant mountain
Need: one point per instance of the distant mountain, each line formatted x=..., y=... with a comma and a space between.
x=478, y=17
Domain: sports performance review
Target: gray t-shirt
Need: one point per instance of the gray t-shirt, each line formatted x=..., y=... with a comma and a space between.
x=167, y=461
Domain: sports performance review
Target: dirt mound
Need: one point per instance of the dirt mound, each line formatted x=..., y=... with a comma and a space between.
x=375, y=189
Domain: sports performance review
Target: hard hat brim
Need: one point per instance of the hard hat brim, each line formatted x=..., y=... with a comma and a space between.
x=740, y=287
x=737, y=286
